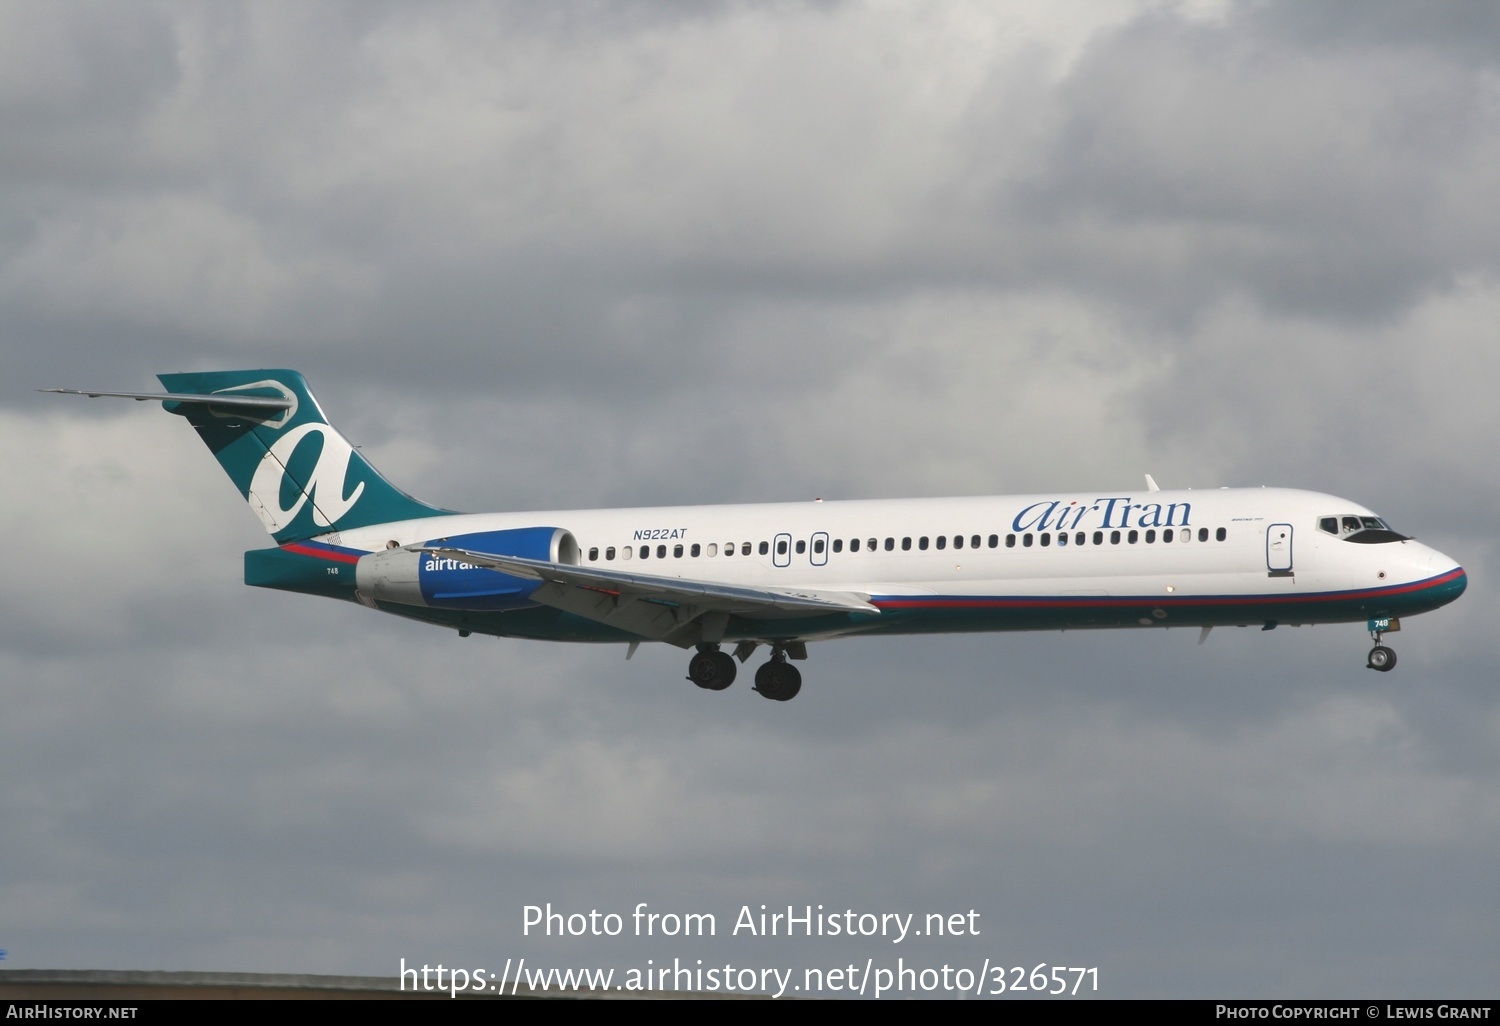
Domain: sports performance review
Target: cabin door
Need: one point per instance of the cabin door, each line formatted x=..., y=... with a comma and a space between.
x=1279, y=548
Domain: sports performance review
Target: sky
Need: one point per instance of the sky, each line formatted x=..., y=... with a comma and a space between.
x=590, y=254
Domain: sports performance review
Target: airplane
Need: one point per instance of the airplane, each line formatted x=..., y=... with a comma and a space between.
x=781, y=575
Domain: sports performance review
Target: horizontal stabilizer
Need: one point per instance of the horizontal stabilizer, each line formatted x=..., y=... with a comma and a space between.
x=222, y=400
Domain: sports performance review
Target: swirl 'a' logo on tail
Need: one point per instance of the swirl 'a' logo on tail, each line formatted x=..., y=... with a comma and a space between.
x=324, y=486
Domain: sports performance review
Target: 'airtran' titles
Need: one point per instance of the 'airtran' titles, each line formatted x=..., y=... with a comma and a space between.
x=1116, y=511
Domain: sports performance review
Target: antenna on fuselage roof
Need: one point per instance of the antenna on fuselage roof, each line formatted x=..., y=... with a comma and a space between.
x=1151, y=484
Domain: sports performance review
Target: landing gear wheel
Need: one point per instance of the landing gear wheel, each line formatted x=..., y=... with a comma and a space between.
x=778, y=681
x=728, y=668
x=712, y=671
x=1382, y=659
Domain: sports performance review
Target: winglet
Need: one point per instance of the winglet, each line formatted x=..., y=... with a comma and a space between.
x=1151, y=484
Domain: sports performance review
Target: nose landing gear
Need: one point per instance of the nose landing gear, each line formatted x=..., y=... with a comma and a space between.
x=1381, y=658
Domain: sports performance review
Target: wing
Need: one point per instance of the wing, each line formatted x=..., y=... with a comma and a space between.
x=671, y=609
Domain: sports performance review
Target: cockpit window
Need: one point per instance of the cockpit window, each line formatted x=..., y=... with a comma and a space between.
x=1375, y=536
x=1363, y=530
x=1329, y=524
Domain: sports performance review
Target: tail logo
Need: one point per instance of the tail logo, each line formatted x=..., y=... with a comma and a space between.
x=324, y=486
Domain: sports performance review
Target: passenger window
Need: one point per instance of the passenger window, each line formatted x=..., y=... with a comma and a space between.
x=781, y=548
x=696, y=549
x=713, y=549
x=974, y=542
x=905, y=544
x=1133, y=536
x=593, y=555
x=871, y=545
x=1203, y=534
x=942, y=541
x=1062, y=537
x=1046, y=540
x=609, y=553
x=745, y=549
x=764, y=547
x=1010, y=541
x=1221, y=534
x=1080, y=538
x=838, y=545
x=1025, y=541
x=994, y=541
x=890, y=543
x=1150, y=537
x=1114, y=537
x=661, y=551
x=801, y=546
x=645, y=552
x=627, y=552
x=922, y=543
x=1098, y=537
x=853, y=545
x=958, y=541
x=1166, y=535
x=677, y=551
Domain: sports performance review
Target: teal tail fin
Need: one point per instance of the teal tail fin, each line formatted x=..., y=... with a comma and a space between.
x=300, y=476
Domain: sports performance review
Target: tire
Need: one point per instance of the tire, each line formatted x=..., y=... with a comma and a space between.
x=703, y=670
x=778, y=681
x=768, y=680
x=793, y=683
x=727, y=671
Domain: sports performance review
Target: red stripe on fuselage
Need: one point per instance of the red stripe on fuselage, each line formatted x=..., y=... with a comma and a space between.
x=333, y=555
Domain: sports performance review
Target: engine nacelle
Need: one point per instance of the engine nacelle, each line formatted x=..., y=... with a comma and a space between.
x=423, y=579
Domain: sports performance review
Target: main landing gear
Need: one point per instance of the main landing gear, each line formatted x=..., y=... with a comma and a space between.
x=777, y=680
x=712, y=670
x=1381, y=658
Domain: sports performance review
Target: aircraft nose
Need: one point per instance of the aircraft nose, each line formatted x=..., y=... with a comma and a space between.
x=1460, y=581
x=1449, y=579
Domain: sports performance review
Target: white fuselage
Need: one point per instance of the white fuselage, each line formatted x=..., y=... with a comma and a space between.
x=1172, y=557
